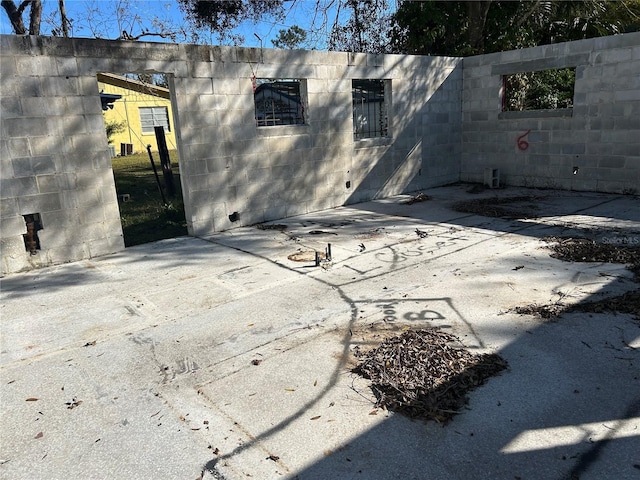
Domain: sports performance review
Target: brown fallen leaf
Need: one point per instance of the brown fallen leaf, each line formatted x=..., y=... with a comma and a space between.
x=316, y=417
x=315, y=384
x=39, y=435
x=290, y=389
x=373, y=412
x=31, y=399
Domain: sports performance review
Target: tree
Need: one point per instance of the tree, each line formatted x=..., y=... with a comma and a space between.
x=223, y=16
x=100, y=18
x=291, y=38
x=114, y=127
x=468, y=28
x=366, y=30
x=15, y=12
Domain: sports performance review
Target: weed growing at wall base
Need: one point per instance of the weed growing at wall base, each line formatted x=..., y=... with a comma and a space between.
x=144, y=217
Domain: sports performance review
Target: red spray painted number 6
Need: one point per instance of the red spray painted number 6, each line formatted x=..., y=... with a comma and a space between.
x=522, y=143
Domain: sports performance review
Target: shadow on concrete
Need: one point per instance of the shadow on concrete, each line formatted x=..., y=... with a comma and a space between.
x=560, y=380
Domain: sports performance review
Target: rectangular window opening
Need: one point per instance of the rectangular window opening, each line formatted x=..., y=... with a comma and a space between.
x=278, y=102
x=540, y=90
x=151, y=117
x=370, y=100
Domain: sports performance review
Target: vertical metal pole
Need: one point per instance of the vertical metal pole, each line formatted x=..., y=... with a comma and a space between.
x=155, y=172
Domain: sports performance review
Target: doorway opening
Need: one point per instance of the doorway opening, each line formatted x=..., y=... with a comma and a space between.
x=140, y=124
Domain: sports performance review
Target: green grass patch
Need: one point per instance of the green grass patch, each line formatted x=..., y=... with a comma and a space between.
x=144, y=217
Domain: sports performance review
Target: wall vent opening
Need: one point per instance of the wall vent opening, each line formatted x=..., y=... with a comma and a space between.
x=31, y=240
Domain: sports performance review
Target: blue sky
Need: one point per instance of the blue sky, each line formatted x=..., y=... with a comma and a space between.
x=102, y=18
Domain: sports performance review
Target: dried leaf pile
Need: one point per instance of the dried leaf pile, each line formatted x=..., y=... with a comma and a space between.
x=543, y=311
x=628, y=302
x=577, y=249
x=496, y=207
x=421, y=197
x=277, y=226
x=424, y=373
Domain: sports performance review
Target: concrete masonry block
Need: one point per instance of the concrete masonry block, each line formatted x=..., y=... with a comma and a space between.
x=12, y=226
x=612, y=162
x=227, y=86
x=66, y=66
x=42, y=165
x=22, y=167
x=48, y=183
x=199, y=86
x=9, y=204
x=200, y=69
x=44, y=202
x=87, y=143
x=627, y=96
x=62, y=86
x=11, y=107
x=19, y=186
x=249, y=55
x=105, y=246
x=23, y=127
x=30, y=66
x=66, y=253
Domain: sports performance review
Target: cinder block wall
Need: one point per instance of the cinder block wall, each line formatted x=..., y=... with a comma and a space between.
x=600, y=135
x=55, y=159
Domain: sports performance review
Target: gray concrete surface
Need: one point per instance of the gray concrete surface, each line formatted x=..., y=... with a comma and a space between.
x=140, y=364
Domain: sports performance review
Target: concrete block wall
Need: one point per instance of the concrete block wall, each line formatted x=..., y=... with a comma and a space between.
x=268, y=173
x=55, y=158
x=600, y=135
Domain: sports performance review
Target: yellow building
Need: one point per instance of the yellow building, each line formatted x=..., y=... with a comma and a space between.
x=140, y=106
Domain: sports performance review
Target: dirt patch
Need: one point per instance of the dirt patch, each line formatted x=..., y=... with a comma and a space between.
x=425, y=373
x=507, y=207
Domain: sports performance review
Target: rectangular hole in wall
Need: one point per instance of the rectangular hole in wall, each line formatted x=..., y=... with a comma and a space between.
x=34, y=224
x=141, y=124
x=370, y=108
x=278, y=102
x=540, y=90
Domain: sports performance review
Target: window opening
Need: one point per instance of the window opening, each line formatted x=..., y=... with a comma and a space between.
x=151, y=117
x=31, y=240
x=278, y=102
x=541, y=90
x=370, y=116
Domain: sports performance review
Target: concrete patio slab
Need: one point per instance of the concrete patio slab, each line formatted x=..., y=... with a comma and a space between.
x=222, y=358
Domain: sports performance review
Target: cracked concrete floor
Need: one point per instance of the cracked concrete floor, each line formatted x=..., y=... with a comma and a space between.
x=221, y=358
